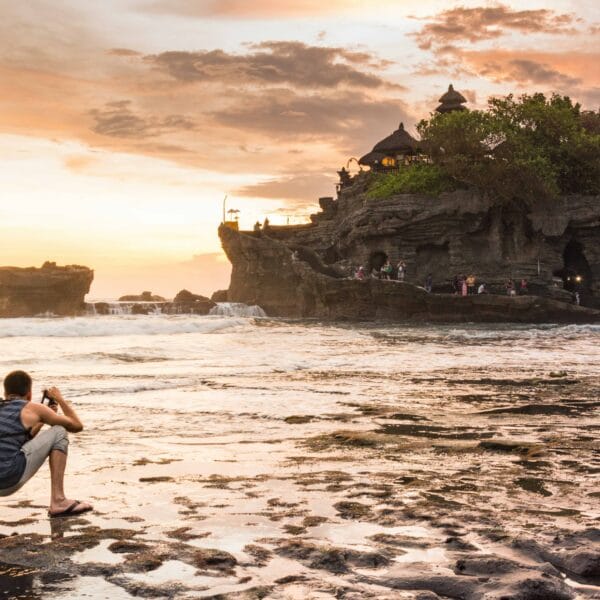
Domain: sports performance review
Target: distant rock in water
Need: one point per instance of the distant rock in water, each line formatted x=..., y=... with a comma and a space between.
x=27, y=292
x=143, y=297
x=187, y=302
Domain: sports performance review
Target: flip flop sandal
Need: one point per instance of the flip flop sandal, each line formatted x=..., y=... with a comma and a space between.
x=70, y=511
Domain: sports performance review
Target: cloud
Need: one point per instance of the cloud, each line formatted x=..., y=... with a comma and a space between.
x=303, y=188
x=525, y=71
x=274, y=63
x=476, y=24
x=345, y=119
x=117, y=119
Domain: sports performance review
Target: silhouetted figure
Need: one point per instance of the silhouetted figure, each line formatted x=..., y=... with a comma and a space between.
x=386, y=270
x=429, y=283
x=524, y=287
x=401, y=270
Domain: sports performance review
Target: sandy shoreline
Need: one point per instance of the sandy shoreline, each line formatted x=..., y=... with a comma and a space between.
x=321, y=483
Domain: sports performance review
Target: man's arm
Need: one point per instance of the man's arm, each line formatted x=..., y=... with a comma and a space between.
x=40, y=414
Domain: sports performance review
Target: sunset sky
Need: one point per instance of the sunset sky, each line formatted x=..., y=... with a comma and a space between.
x=123, y=123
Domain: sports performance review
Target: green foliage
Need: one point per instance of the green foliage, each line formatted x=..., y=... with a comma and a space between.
x=528, y=148
x=413, y=179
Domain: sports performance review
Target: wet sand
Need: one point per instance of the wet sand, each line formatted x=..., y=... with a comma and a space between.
x=284, y=461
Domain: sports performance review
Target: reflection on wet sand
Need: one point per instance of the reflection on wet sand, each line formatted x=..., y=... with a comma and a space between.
x=354, y=463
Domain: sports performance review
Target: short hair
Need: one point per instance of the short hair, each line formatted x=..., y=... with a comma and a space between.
x=17, y=383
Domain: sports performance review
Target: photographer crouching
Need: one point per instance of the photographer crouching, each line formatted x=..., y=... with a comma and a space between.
x=23, y=449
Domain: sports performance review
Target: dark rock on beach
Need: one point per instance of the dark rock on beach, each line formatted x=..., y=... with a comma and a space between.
x=27, y=292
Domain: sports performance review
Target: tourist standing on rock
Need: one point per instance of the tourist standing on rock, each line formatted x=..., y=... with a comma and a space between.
x=524, y=289
x=429, y=283
x=386, y=270
x=401, y=270
x=360, y=273
x=510, y=287
x=23, y=449
x=481, y=289
x=471, y=284
x=463, y=285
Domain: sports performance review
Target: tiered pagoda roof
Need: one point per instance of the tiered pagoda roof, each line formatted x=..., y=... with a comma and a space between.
x=451, y=100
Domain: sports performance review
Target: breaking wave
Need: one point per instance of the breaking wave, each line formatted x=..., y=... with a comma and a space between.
x=237, y=309
x=118, y=325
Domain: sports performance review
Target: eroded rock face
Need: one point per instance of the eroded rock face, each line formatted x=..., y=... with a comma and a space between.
x=26, y=292
x=269, y=273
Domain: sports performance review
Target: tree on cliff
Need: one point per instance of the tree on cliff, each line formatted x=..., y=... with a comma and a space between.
x=528, y=148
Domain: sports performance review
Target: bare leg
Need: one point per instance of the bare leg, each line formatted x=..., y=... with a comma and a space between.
x=58, y=500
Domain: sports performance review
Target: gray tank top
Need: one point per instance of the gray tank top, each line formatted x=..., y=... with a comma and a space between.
x=12, y=437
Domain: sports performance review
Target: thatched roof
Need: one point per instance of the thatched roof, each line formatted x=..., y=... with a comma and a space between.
x=451, y=100
x=399, y=142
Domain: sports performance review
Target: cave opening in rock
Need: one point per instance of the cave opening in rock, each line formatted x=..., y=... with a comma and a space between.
x=376, y=260
x=576, y=272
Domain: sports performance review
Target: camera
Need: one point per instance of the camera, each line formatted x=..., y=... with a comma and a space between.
x=46, y=396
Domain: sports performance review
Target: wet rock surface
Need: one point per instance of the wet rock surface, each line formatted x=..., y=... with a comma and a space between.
x=268, y=273
x=383, y=484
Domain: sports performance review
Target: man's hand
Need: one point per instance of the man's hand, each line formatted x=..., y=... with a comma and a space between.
x=54, y=394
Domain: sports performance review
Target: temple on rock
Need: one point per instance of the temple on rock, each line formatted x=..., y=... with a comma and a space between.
x=396, y=149
x=551, y=249
x=400, y=148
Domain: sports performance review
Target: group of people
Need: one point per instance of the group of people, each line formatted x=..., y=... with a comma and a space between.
x=462, y=285
x=465, y=285
x=386, y=271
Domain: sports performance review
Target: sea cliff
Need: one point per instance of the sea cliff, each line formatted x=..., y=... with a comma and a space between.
x=26, y=292
x=305, y=271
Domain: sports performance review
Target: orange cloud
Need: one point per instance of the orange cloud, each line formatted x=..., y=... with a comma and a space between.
x=489, y=22
x=275, y=63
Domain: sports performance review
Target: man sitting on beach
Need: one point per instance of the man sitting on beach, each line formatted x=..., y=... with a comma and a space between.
x=23, y=449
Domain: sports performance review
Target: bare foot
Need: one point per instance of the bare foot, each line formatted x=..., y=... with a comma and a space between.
x=69, y=508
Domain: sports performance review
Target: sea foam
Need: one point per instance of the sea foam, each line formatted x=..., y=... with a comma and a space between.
x=117, y=325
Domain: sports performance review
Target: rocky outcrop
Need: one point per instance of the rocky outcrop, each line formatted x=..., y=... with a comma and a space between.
x=189, y=303
x=303, y=270
x=143, y=297
x=219, y=296
x=26, y=292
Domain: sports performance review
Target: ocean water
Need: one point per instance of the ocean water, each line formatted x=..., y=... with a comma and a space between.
x=191, y=399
